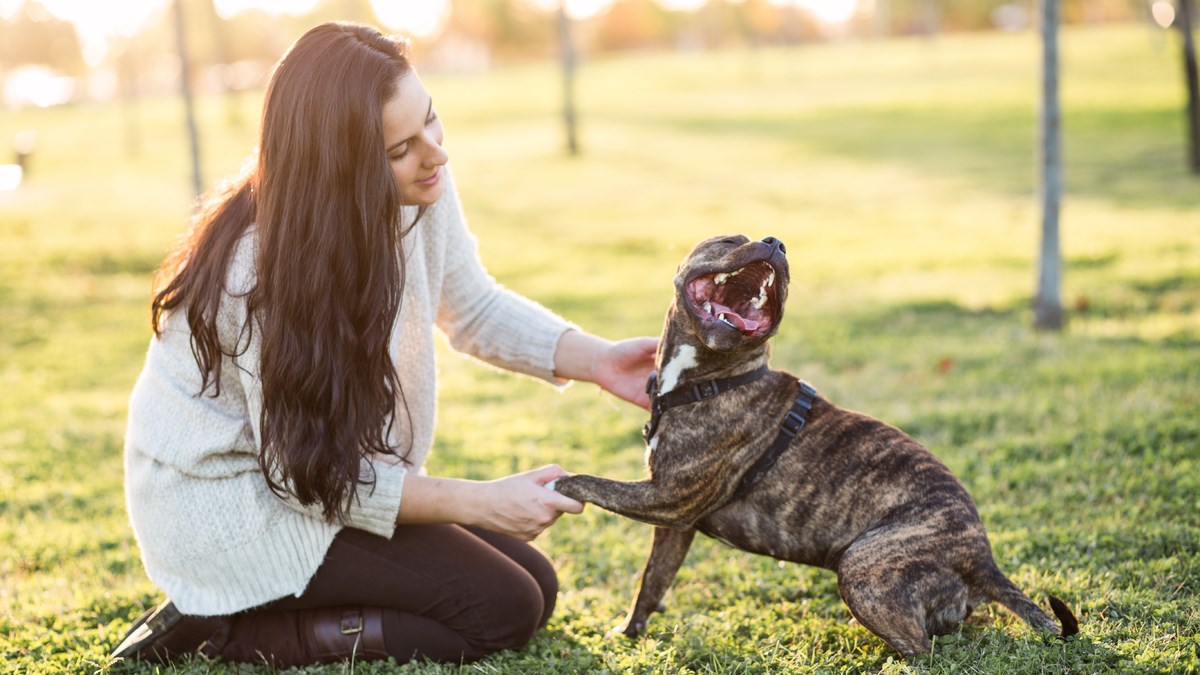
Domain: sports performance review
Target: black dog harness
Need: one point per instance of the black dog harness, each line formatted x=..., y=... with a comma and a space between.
x=791, y=425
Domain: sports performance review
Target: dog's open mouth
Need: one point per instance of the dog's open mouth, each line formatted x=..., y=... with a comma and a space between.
x=744, y=299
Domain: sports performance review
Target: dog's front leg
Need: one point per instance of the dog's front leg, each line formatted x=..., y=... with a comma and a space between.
x=666, y=555
x=677, y=506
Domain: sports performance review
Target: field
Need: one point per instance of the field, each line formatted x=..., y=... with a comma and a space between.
x=902, y=177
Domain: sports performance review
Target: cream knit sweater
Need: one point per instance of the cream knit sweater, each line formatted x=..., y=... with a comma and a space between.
x=212, y=534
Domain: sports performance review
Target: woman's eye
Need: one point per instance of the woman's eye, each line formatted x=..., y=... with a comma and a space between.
x=399, y=154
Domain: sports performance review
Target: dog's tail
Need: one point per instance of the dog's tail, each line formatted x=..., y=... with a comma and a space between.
x=1004, y=591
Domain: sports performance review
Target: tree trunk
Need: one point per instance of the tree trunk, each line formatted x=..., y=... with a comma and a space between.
x=233, y=108
x=185, y=82
x=932, y=18
x=1047, y=309
x=1186, y=16
x=881, y=20
x=567, y=49
x=128, y=69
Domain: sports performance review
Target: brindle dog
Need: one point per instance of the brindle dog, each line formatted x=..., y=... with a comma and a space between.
x=757, y=459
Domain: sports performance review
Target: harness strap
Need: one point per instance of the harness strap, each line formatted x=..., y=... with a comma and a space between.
x=793, y=422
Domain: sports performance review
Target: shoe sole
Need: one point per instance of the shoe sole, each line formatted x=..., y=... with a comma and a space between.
x=149, y=627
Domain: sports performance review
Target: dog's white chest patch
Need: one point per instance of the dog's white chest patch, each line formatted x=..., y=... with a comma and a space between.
x=684, y=358
x=650, y=448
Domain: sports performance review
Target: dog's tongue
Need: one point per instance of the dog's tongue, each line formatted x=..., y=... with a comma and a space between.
x=740, y=322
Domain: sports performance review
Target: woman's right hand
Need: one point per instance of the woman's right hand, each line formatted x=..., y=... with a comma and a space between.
x=521, y=505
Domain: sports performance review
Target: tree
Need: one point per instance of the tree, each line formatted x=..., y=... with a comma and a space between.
x=567, y=47
x=185, y=77
x=1186, y=15
x=1047, y=307
x=632, y=24
x=34, y=36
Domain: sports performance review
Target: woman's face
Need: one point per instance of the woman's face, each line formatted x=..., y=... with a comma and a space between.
x=412, y=135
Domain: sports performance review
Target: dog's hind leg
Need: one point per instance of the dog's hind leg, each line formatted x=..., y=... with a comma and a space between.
x=667, y=552
x=901, y=595
x=886, y=612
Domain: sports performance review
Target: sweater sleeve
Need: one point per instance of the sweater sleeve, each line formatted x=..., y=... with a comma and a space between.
x=481, y=317
x=377, y=503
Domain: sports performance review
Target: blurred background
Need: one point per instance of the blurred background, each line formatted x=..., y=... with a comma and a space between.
x=898, y=147
x=69, y=51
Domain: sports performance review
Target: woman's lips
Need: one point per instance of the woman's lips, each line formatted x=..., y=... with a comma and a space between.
x=429, y=182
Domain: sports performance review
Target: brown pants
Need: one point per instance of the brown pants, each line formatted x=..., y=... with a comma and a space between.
x=449, y=593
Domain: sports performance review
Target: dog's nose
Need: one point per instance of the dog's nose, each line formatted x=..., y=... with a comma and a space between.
x=775, y=244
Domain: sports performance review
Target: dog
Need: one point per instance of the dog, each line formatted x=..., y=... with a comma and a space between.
x=759, y=460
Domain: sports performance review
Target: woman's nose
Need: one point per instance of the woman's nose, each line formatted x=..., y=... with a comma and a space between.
x=437, y=155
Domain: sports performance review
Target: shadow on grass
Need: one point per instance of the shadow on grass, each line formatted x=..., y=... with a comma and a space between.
x=1117, y=155
x=1177, y=294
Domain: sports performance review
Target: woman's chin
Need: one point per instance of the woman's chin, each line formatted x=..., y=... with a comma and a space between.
x=418, y=195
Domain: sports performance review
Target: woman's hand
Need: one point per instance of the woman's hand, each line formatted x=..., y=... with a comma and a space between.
x=620, y=368
x=624, y=367
x=521, y=505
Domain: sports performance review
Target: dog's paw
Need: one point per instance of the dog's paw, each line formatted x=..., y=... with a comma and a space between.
x=627, y=628
x=566, y=485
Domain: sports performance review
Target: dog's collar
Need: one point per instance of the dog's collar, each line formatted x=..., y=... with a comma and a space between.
x=693, y=394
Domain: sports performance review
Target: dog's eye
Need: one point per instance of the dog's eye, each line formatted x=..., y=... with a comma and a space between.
x=731, y=240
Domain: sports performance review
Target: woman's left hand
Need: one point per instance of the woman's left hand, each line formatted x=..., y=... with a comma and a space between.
x=623, y=367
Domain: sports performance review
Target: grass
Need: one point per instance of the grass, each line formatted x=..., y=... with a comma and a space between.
x=901, y=176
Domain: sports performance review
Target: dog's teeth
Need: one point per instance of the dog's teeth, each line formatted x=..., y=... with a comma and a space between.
x=771, y=278
x=727, y=321
x=708, y=308
x=761, y=299
x=721, y=278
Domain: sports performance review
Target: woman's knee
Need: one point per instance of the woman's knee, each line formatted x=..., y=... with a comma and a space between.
x=535, y=563
x=510, y=615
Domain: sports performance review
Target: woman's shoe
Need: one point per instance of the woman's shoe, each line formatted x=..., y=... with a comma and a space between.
x=163, y=634
x=345, y=633
x=283, y=639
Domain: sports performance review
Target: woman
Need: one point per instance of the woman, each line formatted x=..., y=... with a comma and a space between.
x=277, y=432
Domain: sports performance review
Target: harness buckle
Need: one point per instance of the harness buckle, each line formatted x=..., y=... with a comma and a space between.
x=706, y=390
x=793, y=423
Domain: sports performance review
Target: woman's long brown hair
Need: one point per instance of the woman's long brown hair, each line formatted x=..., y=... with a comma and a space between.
x=329, y=269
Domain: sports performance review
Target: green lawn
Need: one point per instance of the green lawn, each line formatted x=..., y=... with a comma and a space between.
x=900, y=175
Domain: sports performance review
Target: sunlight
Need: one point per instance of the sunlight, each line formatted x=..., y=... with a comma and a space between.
x=10, y=177
x=104, y=19
x=826, y=11
x=576, y=9
x=96, y=22
x=420, y=19
x=229, y=8
x=37, y=85
x=681, y=5
x=831, y=11
x=1163, y=13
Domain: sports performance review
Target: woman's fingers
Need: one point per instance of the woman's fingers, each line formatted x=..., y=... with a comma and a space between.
x=560, y=503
